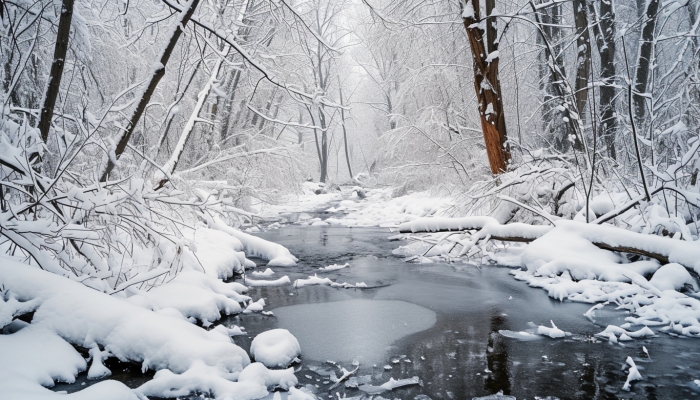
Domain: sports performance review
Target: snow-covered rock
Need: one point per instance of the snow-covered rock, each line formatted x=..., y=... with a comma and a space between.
x=672, y=276
x=275, y=348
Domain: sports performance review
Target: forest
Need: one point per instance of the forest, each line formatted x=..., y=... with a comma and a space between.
x=149, y=149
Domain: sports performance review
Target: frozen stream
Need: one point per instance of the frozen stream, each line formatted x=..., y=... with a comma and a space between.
x=440, y=322
x=457, y=352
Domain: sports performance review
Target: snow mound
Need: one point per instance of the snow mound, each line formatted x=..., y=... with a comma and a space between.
x=281, y=262
x=275, y=348
x=267, y=272
x=312, y=280
x=672, y=276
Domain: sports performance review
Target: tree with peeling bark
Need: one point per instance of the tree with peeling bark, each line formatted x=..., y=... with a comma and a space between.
x=483, y=41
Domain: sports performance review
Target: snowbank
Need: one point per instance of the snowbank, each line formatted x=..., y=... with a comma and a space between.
x=85, y=317
x=573, y=261
x=219, y=254
x=253, y=246
x=195, y=295
x=35, y=356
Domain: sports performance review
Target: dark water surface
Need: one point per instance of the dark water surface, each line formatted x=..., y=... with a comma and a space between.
x=461, y=354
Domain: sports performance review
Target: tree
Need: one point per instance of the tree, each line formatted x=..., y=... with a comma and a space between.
x=59, y=60
x=484, y=46
x=604, y=33
x=159, y=71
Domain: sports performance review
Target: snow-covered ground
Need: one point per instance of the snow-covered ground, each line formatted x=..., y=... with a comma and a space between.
x=354, y=206
x=151, y=319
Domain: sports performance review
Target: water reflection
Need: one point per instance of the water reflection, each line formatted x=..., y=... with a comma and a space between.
x=497, y=357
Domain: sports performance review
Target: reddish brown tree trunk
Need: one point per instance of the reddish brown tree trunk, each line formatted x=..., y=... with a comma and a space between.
x=484, y=46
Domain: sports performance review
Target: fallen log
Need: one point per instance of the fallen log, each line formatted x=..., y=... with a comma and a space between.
x=663, y=249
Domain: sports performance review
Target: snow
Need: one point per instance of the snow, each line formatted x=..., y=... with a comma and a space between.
x=34, y=357
x=334, y=267
x=390, y=385
x=81, y=316
x=672, y=276
x=256, y=306
x=315, y=280
x=253, y=246
x=378, y=208
x=266, y=273
x=195, y=295
x=219, y=254
x=312, y=280
x=277, y=282
x=552, y=332
x=633, y=374
x=275, y=348
x=97, y=367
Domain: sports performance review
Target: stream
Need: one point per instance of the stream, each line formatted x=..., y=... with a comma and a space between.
x=440, y=322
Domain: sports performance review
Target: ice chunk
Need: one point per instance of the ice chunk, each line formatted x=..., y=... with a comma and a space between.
x=390, y=385
x=277, y=282
x=633, y=374
x=275, y=348
x=522, y=335
x=334, y=267
x=267, y=272
x=552, y=332
x=256, y=306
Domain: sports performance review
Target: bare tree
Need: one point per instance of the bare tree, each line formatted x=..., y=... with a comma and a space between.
x=59, y=60
x=157, y=74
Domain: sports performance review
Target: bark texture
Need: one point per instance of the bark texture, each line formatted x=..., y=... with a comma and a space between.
x=646, y=48
x=605, y=41
x=484, y=46
x=59, y=60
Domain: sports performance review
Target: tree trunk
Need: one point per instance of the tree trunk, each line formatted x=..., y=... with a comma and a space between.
x=583, y=54
x=550, y=24
x=324, y=146
x=646, y=47
x=158, y=73
x=605, y=40
x=484, y=47
x=162, y=176
x=59, y=60
x=345, y=133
